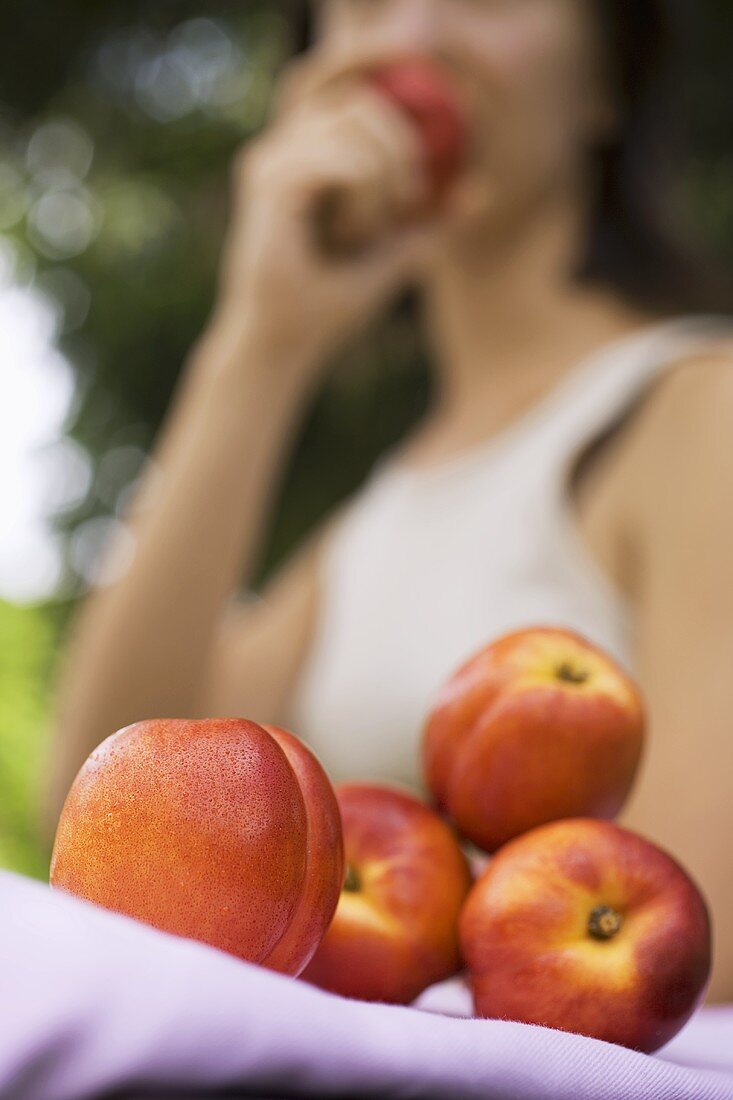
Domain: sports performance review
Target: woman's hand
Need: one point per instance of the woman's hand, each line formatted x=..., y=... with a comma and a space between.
x=331, y=132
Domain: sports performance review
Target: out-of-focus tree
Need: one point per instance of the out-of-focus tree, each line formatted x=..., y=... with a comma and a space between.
x=116, y=191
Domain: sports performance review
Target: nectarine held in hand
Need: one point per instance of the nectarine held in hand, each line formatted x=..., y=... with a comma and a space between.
x=427, y=97
x=219, y=830
x=586, y=927
x=539, y=726
x=396, y=926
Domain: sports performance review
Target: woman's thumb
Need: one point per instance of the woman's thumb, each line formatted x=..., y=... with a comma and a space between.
x=402, y=260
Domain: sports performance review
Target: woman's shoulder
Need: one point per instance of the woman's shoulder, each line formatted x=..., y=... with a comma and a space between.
x=682, y=432
x=695, y=386
x=683, y=406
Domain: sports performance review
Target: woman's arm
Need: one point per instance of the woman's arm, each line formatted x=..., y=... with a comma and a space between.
x=141, y=647
x=260, y=643
x=679, y=505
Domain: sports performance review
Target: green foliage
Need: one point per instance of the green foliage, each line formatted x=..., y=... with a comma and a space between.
x=28, y=638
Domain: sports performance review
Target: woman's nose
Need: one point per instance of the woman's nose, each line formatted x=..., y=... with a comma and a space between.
x=414, y=25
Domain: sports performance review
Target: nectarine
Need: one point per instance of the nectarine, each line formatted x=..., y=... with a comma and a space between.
x=395, y=931
x=218, y=830
x=539, y=726
x=428, y=98
x=345, y=223
x=586, y=927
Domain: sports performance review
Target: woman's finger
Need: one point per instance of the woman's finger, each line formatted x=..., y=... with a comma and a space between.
x=395, y=144
x=397, y=262
x=327, y=70
x=366, y=126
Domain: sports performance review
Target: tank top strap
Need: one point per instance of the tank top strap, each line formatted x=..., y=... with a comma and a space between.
x=605, y=388
x=594, y=395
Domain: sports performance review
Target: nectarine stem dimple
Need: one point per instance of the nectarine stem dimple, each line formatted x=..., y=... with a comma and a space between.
x=352, y=882
x=571, y=675
x=604, y=922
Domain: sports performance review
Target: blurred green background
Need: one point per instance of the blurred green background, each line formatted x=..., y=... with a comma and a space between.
x=117, y=125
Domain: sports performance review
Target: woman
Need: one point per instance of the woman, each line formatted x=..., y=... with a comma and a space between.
x=575, y=467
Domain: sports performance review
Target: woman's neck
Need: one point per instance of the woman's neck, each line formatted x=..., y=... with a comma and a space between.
x=506, y=315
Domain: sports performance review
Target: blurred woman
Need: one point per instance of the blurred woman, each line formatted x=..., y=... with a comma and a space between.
x=575, y=468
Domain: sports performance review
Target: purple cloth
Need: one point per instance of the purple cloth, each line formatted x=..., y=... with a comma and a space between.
x=92, y=1003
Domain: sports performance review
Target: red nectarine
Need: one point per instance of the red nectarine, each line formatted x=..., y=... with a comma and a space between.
x=395, y=931
x=586, y=927
x=427, y=96
x=539, y=726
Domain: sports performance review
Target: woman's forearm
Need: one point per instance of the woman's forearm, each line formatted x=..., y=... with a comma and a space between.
x=140, y=646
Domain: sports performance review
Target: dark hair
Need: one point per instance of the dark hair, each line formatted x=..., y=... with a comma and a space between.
x=636, y=242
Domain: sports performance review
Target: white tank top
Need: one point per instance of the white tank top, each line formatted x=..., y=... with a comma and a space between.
x=427, y=566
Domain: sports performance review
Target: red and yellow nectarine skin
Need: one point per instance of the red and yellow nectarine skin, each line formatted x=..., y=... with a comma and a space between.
x=395, y=931
x=537, y=727
x=586, y=927
x=427, y=97
x=218, y=830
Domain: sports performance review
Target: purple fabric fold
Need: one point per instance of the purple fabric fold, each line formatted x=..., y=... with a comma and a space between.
x=92, y=1003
